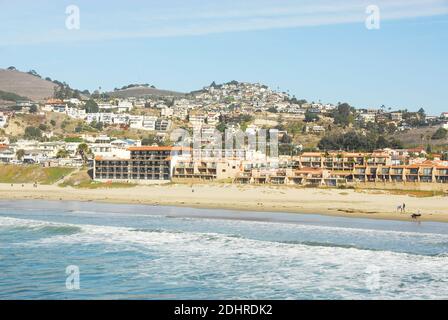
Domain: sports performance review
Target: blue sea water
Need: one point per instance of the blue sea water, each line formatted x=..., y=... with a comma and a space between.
x=152, y=252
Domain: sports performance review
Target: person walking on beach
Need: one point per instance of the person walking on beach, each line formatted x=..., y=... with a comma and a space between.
x=403, y=208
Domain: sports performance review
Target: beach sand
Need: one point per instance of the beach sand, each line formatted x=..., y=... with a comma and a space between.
x=346, y=203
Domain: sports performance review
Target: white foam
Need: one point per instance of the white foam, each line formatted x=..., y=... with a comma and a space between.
x=263, y=269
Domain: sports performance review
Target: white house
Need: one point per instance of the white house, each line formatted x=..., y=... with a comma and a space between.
x=76, y=113
x=167, y=112
x=197, y=120
x=149, y=123
x=135, y=122
x=124, y=106
x=3, y=120
x=366, y=117
x=105, y=107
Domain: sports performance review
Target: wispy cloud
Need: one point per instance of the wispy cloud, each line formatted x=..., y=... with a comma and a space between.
x=32, y=23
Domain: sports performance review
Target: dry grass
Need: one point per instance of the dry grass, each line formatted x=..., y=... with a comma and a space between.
x=31, y=174
x=26, y=85
x=83, y=180
x=411, y=193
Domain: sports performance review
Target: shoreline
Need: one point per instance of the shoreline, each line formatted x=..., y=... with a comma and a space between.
x=347, y=203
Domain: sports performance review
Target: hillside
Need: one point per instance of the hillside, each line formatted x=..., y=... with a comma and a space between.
x=25, y=85
x=31, y=174
x=421, y=137
x=143, y=91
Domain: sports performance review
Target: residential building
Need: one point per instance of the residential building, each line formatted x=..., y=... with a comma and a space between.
x=144, y=165
x=3, y=120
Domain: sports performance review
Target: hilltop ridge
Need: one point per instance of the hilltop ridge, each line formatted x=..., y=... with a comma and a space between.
x=26, y=85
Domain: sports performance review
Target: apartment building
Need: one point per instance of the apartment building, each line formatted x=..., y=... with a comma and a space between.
x=342, y=161
x=333, y=169
x=207, y=169
x=144, y=165
x=162, y=125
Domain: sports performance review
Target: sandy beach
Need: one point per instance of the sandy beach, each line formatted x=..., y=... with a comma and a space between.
x=347, y=203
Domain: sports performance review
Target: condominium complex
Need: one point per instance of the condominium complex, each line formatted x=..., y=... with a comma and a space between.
x=334, y=169
x=145, y=164
x=162, y=164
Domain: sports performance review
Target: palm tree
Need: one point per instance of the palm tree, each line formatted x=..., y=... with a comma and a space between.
x=83, y=150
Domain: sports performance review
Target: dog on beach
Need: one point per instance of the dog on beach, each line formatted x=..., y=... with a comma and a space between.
x=415, y=215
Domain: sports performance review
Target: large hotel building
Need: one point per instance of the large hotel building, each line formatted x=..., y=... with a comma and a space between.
x=146, y=164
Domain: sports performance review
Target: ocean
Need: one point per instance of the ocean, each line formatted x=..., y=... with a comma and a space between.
x=87, y=250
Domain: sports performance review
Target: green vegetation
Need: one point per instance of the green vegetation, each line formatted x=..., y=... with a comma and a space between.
x=62, y=153
x=83, y=180
x=9, y=96
x=310, y=116
x=84, y=151
x=33, y=133
x=63, y=91
x=404, y=192
x=149, y=140
x=73, y=139
x=344, y=114
x=441, y=133
x=221, y=127
x=356, y=141
x=34, y=73
x=91, y=106
x=33, y=109
x=20, y=154
x=31, y=174
x=134, y=85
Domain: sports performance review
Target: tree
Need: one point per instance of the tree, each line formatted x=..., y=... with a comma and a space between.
x=221, y=127
x=91, y=106
x=343, y=115
x=310, y=116
x=441, y=133
x=286, y=139
x=381, y=142
x=34, y=73
x=149, y=140
x=33, y=133
x=20, y=154
x=62, y=153
x=356, y=141
x=422, y=113
x=33, y=109
x=83, y=150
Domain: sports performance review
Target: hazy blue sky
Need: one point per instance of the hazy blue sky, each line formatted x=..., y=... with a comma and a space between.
x=316, y=49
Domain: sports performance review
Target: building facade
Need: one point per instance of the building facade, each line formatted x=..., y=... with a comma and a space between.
x=145, y=165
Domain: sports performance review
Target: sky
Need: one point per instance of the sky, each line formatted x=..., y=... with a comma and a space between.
x=319, y=50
